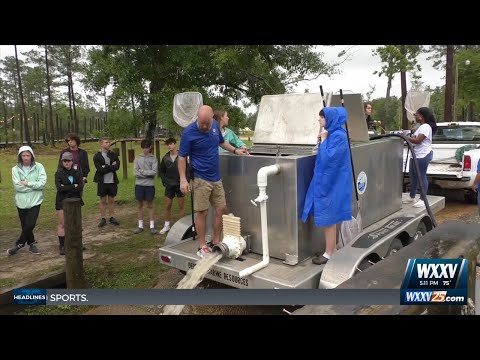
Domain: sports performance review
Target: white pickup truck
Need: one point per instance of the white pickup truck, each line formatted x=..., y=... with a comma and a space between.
x=449, y=169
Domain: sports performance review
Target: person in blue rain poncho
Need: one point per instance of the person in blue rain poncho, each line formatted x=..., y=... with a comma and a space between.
x=329, y=196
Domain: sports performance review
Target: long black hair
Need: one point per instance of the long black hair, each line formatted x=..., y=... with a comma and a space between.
x=429, y=118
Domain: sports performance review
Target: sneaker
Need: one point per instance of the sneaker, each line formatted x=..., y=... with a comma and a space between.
x=113, y=221
x=204, y=250
x=153, y=231
x=33, y=249
x=165, y=229
x=102, y=223
x=419, y=204
x=13, y=250
x=138, y=230
x=410, y=200
x=319, y=260
x=61, y=250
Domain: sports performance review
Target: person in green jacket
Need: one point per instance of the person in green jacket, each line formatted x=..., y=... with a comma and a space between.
x=228, y=135
x=29, y=179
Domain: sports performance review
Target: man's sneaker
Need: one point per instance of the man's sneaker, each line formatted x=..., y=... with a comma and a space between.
x=33, y=249
x=410, y=200
x=113, y=221
x=153, y=231
x=165, y=229
x=419, y=204
x=138, y=230
x=61, y=250
x=204, y=250
x=102, y=223
x=13, y=250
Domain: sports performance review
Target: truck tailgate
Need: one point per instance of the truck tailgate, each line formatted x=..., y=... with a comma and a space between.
x=446, y=169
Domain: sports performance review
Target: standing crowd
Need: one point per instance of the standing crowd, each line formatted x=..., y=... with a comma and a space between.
x=201, y=143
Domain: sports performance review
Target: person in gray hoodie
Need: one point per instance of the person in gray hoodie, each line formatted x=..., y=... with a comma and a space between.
x=145, y=169
x=29, y=179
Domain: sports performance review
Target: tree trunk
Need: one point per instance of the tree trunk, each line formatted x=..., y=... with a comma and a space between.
x=471, y=111
x=105, y=100
x=449, y=82
x=76, y=126
x=387, y=99
x=24, y=111
x=151, y=113
x=18, y=112
x=135, y=129
x=69, y=105
x=5, y=124
x=403, y=83
x=50, y=111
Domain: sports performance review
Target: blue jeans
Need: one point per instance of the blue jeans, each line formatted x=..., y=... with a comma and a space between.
x=422, y=165
x=478, y=202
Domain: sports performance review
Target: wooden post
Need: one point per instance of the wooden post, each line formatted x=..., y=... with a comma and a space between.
x=157, y=151
x=124, y=157
x=72, y=208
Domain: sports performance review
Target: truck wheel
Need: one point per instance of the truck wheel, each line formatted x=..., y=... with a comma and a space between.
x=395, y=246
x=470, y=197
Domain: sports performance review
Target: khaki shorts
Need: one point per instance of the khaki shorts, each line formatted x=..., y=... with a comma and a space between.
x=206, y=193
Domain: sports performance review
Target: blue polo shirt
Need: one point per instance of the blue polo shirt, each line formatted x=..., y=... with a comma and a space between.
x=203, y=150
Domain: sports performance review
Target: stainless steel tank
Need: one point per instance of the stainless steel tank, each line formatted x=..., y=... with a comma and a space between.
x=286, y=134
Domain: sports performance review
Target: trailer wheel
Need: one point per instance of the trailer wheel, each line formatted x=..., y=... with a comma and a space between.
x=395, y=246
x=367, y=262
x=421, y=230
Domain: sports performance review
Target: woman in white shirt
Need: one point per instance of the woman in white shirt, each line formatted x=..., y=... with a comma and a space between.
x=422, y=146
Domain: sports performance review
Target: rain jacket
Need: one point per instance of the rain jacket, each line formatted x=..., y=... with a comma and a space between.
x=329, y=196
x=31, y=195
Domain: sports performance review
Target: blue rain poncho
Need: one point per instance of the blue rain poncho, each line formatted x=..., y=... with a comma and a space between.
x=329, y=196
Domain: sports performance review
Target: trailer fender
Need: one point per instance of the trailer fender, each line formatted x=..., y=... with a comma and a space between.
x=180, y=231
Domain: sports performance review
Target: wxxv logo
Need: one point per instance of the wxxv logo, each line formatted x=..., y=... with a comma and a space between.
x=435, y=281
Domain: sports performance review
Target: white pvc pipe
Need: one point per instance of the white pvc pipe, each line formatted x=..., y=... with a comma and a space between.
x=262, y=175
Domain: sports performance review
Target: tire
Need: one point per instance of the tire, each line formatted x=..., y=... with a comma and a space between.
x=395, y=246
x=421, y=230
x=364, y=265
x=470, y=197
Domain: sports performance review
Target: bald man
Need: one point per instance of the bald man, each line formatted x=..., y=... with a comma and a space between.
x=200, y=140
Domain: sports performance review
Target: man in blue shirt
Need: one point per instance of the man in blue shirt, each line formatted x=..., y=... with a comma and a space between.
x=200, y=141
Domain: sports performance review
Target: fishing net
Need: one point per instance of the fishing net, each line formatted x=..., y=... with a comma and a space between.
x=185, y=107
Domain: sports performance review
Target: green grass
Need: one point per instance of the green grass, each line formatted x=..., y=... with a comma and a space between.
x=7, y=283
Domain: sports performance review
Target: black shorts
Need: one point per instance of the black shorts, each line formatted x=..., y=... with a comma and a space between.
x=59, y=204
x=107, y=189
x=144, y=193
x=172, y=191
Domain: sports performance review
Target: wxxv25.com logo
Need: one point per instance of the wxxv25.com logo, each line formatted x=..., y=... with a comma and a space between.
x=435, y=281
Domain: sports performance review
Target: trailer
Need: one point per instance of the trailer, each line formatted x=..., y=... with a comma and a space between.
x=266, y=192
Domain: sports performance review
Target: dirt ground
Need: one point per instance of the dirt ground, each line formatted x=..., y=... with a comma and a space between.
x=25, y=265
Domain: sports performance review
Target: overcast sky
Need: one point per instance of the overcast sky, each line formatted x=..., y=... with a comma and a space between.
x=357, y=73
